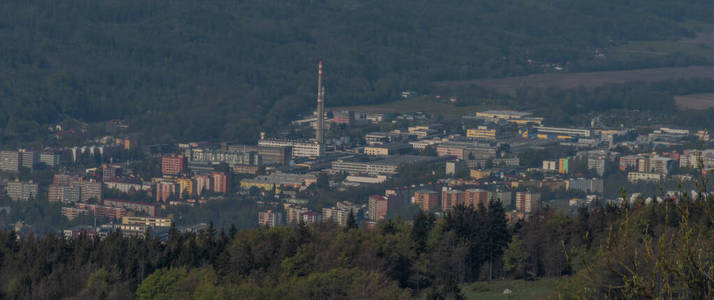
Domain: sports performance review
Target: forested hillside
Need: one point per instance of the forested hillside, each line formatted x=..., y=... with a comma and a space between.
x=184, y=69
x=659, y=250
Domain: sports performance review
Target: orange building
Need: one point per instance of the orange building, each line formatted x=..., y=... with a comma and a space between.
x=173, y=164
x=221, y=182
x=451, y=198
x=474, y=197
x=427, y=200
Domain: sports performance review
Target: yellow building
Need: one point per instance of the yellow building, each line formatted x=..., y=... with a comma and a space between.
x=482, y=132
x=186, y=185
x=479, y=174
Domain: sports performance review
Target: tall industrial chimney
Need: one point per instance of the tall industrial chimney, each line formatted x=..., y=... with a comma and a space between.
x=320, y=134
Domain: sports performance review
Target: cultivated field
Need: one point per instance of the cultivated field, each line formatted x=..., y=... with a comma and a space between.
x=586, y=79
x=695, y=101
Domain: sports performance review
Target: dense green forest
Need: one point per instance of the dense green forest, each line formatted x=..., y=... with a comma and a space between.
x=184, y=69
x=628, y=250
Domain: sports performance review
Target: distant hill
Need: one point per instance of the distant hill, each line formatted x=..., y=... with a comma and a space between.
x=208, y=70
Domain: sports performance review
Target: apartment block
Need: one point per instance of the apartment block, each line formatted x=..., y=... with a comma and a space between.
x=474, y=197
x=164, y=190
x=527, y=202
x=270, y=218
x=9, y=161
x=149, y=209
x=644, y=176
x=173, y=164
x=427, y=200
x=90, y=190
x=28, y=159
x=151, y=222
x=337, y=215
x=451, y=198
x=51, y=159
x=378, y=207
x=221, y=182
x=18, y=190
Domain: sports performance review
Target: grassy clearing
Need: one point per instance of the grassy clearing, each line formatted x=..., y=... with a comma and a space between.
x=531, y=290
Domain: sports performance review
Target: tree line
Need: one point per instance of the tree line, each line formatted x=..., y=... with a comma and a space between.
x=629, y=249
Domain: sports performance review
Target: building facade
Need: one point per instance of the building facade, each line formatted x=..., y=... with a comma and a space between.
x=173, y=164
x=527, y=202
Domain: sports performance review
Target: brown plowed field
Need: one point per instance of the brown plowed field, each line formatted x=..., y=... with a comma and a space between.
x=695, y=101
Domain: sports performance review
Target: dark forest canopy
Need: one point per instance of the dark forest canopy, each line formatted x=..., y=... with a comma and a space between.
x=184, y=69
x=660, y=250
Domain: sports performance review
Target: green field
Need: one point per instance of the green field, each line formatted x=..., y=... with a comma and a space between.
x=531, y=290
x=427, y=104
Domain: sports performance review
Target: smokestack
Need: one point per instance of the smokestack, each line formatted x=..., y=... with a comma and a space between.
x=320, y=131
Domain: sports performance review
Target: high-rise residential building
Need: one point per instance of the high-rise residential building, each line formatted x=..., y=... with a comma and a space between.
x=451, y=198
x=9, y=161
x=661, y=165
x=643, y=164
x=378, y=207
x=310, y=217
x=505, y=196
x=54, y=193
x=90, y=190
x=294, y=212
x=173, y=164
x=186, y=186
x=18, y=190
x=221, y=182
x=337, y=215
x=204, y=183
x=70, y=194
x=61, y=179
x=427, y=200
x=564, y=166
x=586, y=185
x=527, y=202
x=164, y=190
x=111, y=172
x=597, y=164
x=270, y=218
x=550, y=165
x=28, y=159
x=51, y=159
x=474, y=197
